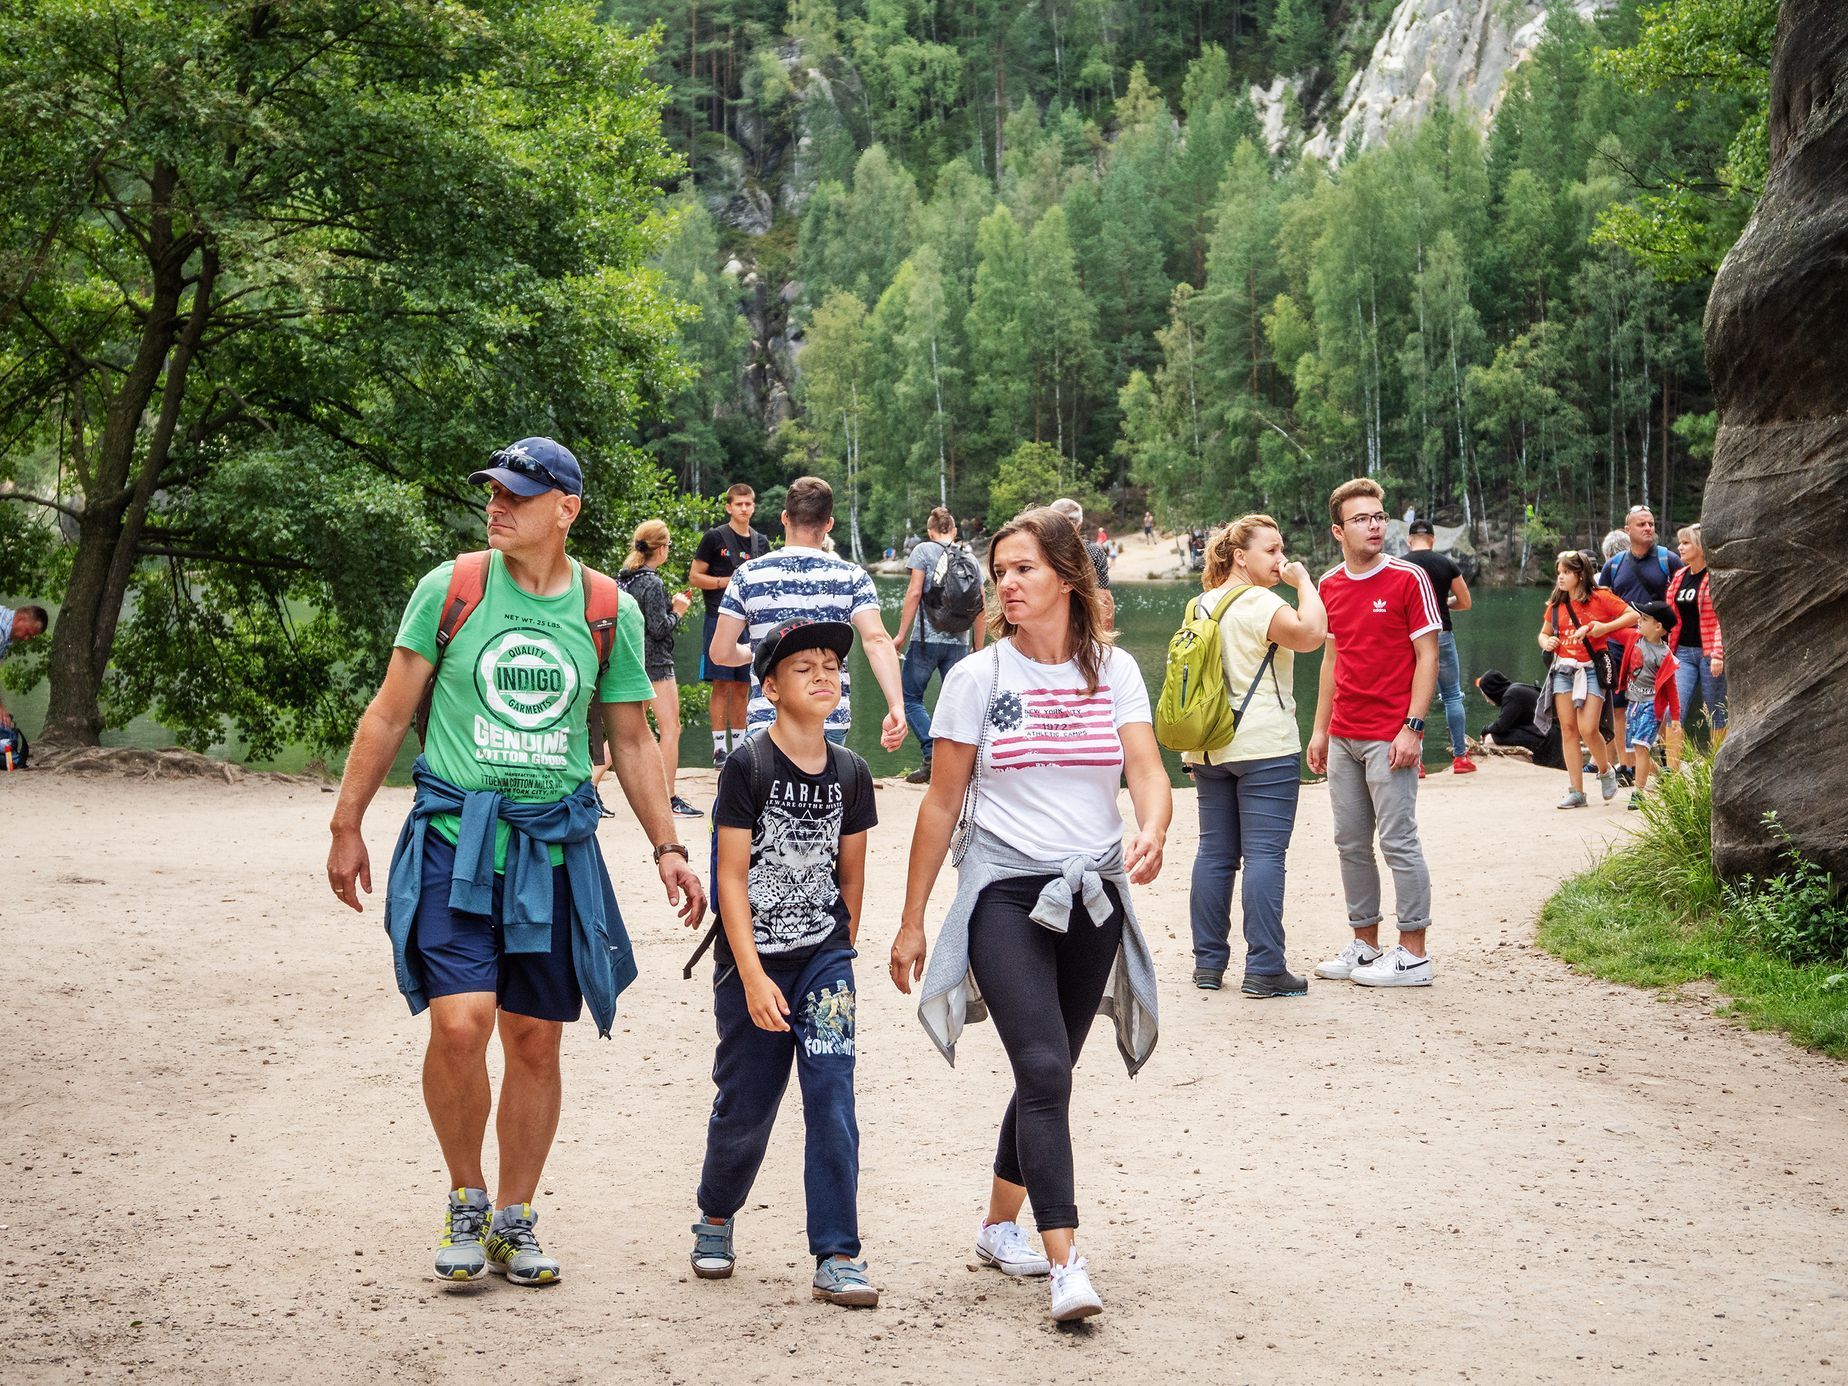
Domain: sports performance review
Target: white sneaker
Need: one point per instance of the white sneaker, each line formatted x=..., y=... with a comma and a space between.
x=1073, y=1295
x=1341, y=967
x=1004, y=1246
x=1395, y=969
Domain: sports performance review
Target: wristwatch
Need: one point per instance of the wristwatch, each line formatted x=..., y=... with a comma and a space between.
x=1412, y=724
x=667, y=847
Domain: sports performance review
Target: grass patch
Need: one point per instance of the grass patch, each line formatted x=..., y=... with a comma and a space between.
x=1653, y=914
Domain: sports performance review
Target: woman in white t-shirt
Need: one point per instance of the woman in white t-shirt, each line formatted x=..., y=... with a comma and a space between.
x=1248, y=787
x=1042, y=934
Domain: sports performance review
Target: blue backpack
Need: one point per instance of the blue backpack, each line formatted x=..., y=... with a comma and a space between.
x=14, y=740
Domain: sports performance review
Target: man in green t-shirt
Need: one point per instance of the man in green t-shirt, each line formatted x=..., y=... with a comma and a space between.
x=482, y=931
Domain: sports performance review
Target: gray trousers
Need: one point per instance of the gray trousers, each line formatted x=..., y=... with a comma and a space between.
x=1368, y=797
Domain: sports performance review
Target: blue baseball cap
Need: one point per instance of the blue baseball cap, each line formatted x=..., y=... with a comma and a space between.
x=533, y=465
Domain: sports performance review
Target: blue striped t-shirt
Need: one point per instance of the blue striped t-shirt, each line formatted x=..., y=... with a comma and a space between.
x=791, y=582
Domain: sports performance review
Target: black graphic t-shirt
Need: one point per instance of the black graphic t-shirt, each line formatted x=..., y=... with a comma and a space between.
x=724, y=551
x=795, y=881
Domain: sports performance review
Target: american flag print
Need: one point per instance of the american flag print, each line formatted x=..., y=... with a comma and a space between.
x=1045, y=727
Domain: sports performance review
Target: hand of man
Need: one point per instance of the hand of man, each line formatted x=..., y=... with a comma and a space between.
x=685, y=891
x=892, y=730
x=1318, y=753
x=348, y=863
x=1407, y=749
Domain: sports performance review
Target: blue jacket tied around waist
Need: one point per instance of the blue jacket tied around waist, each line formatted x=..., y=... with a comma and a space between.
x=604, y=960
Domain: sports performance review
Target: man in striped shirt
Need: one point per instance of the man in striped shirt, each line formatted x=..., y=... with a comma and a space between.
x=802, y=581
x=1378, y=675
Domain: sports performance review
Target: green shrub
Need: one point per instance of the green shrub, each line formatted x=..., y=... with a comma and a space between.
x=1797, y=915
x=1671, y=858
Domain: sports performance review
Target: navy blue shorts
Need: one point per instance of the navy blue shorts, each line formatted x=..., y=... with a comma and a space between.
x=455, y=951
x=718, y=673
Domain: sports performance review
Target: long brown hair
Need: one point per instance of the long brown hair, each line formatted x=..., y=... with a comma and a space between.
x=1065, y=553
x=649, y=536
x=1220, y=548
x=1584, y=578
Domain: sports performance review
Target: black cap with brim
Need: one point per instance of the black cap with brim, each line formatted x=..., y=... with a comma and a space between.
x=800, y=634
x=1423, y=527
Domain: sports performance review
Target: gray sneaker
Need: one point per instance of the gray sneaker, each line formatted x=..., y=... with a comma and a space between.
x=713, y=1257
x=513, y=1250
x=1575, y=798
x=1268, y=984
x=1607, y=785
x=460, y=1255
x=845, y=1283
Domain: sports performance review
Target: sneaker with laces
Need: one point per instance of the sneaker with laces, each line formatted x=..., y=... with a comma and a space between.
x=1462, y=765
x=682, y=809
x=1073, y=1295
x=1399, y=968
x=713, y=1257
x=844, y=1282
x=1341, y=967
x=1607, y=785
x=460, y=1254
x=1575, y=798
x=1004, y=1246
x=513, y=1250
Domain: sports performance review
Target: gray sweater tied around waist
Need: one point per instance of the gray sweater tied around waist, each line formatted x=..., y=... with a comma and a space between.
x=950, y=997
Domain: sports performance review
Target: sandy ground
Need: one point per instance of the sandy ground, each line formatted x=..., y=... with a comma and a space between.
x=219, y=1165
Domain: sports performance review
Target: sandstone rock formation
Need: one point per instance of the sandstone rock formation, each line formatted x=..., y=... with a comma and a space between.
x=1776, y=514
x=1457, y=52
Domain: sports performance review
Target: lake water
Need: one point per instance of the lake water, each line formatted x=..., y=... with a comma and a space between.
x=1496, y=633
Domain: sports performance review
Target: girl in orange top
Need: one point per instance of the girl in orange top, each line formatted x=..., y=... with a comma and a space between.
x=1578, y=618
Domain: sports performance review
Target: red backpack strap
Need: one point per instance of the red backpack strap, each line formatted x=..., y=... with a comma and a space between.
x=602, y=605
x=468, y=583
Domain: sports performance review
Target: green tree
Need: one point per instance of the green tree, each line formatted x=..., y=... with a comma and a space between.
x=273, y=274
x=1026, y=477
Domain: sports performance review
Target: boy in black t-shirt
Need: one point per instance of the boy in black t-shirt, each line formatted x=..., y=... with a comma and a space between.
x=792, y=815
x=721, y=552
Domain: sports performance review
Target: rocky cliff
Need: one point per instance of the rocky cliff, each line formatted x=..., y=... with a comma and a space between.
x=1775, y=519
x=1455, y=52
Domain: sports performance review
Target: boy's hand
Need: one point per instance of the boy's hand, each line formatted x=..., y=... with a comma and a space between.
x=764, y=1000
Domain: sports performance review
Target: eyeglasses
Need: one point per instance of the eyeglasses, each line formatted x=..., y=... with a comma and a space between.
x=1378, y=517
x=525, y=466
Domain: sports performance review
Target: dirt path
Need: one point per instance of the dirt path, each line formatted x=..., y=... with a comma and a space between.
x=220, y=1168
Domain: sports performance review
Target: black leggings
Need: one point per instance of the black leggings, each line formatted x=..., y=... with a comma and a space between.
x=1022, y=967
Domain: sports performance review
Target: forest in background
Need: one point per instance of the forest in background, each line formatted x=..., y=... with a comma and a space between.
x=989, y=251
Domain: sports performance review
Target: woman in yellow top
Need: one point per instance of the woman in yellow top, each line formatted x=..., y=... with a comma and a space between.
x=1248, y=787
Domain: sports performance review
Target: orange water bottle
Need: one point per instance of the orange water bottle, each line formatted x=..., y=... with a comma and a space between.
x=9, y=757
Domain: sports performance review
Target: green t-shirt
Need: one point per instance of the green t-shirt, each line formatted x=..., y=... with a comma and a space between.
x=511, y=711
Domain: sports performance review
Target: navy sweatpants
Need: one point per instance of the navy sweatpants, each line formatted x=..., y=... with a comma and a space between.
x=751, y=1070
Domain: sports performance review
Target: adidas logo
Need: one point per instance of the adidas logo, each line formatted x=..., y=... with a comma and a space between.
x=1379, y=605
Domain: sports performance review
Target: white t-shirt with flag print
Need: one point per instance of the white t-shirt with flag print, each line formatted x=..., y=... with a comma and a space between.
x=1053, y=760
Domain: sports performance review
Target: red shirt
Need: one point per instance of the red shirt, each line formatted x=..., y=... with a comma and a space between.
x=1373, y=618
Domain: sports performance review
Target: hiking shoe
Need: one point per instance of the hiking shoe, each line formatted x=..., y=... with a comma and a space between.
x=1209, y=978
x=1395, y=969
x=1462, y=765
x=1073, y=1295
x=1636, y=798
x=713, y=1257
x=921, y=775
x=1607, y=785
x=682, y=809
x=844, y=1283
x=513, y=1250
x=1268, y=984
x=1004, y=1246
x=460, y=1255
x=1341, y=967
x=1575, y=798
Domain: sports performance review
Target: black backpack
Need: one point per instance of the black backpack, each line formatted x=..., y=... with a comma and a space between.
x=953, y=597
x=758, y=760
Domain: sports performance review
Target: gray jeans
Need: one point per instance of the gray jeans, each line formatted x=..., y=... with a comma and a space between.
x=1367, y=796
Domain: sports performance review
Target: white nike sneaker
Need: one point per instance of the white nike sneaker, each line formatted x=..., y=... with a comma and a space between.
x=1004, y=1246
x=1341, y=967
x=1073, y=1295
x=1395, y=969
